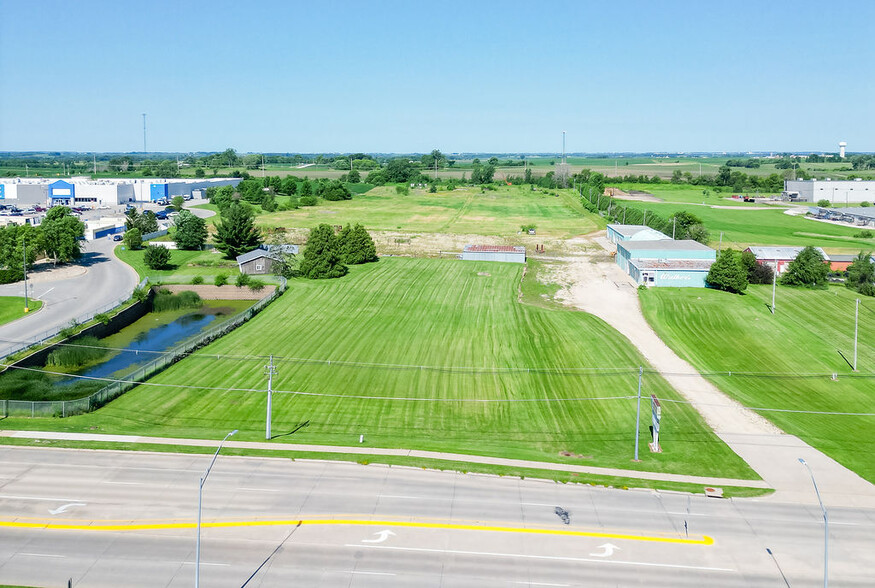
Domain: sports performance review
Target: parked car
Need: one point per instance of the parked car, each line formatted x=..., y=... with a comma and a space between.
x=161, y=215
x=117, y=237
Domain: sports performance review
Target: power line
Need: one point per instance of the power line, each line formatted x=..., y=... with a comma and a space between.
x=416, y=399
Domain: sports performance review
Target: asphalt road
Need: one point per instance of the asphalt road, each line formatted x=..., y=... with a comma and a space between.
x=106, y=280
x=130, y=518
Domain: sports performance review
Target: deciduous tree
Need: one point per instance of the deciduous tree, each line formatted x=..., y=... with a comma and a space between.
x=191, y=231
x=61, y=234
x=808, y=269
x=728, y=273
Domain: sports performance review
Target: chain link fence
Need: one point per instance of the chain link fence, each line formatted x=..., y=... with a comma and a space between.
x=65, y=408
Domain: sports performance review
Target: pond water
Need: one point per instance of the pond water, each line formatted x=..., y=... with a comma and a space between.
x=159, y=338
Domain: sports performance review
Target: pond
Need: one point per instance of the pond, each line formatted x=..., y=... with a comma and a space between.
x=133, y=346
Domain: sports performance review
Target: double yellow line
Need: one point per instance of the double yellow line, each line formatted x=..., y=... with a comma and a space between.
x=134, y=526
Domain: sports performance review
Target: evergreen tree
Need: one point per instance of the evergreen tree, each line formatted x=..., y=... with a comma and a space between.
x=728, y=273
x=356, y=245
x=237, y=233
x=191, y=231
x=321, y=257
x=861, y=274
x=156, y=257
x=808, y=269
x=133, y=239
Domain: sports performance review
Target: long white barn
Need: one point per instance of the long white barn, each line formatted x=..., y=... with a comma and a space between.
x=83, y=191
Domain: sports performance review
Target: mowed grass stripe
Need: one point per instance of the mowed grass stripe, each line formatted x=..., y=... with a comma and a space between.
x=423, y=312
x=810, y=331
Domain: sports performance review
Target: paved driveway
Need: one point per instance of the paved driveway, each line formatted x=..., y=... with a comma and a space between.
x=69, y=294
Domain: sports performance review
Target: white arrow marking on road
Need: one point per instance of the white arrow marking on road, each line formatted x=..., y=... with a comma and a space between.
x=383, y=535
x=64, y=508
x=608, y=550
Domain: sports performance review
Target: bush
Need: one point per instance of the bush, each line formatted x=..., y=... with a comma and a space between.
x=69, y=330
x=197, y=280
x=77, y=353
x=140, y=294
x=102, y=318
x=307, y=201
x=133, y=239
x=728, y=272
x=823, y=203
x=221, y=280
x=402, y=190
x=808, y=269
x=156, y=257
x=164, y=301
x=865, y=204
x=864, y=234
x=255, y=284
x=242, y=280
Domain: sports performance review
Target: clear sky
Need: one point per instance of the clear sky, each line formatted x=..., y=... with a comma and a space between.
x=330, y=76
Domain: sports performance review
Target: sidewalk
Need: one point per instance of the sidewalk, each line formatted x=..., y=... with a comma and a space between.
x=360, y=450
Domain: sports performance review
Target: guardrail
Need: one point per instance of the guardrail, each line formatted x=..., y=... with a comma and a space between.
x=79, y=320
x=65, y=408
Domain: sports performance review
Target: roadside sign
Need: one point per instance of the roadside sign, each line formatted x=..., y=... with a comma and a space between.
x=655, y=416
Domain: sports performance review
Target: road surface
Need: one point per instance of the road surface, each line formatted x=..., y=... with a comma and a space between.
x=104, y=518
x=105, y=280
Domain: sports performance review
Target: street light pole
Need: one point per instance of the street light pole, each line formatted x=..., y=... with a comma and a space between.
x=200, y=494
x=24, y=248
x=270, y=370
x=825, y=526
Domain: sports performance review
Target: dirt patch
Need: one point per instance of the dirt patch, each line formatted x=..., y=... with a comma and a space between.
x=46, y=272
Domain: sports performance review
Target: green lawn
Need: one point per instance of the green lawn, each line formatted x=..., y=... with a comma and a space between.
x=183, y=264
x=12, y=307
x=717, y=331
x=436, y=314
x=744, y=227
x=462, y=211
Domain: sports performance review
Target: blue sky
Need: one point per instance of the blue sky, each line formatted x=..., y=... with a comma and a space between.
x=458, y=76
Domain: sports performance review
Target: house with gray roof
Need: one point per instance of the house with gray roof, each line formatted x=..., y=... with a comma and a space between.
x=261, y=260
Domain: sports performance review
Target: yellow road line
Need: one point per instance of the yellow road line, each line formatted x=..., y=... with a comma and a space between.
x=89, y=526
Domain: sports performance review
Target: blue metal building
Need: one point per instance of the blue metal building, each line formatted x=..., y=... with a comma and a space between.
x=666, y=262
x=61, y=193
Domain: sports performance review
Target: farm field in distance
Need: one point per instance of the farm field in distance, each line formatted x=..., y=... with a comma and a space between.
x=506, y=397
x=809, y=334
x=467, y=210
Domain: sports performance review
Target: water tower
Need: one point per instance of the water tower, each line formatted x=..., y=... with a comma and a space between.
x=842, y=146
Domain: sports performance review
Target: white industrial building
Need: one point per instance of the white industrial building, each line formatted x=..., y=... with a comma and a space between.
x=836, y=191
x=83, y=191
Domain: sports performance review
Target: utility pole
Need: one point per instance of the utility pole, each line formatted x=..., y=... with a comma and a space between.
x=774, y=283
x=673, y=223
x=144, y=133
x=262, y=165
x=856, y=322
x=270, y=370
x=825, y=526
x=638, y=412
x=94, y=159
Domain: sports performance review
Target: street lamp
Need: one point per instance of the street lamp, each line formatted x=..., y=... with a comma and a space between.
x=200, y=494
x=825, y=527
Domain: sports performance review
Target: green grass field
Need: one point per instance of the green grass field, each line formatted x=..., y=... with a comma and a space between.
x=462, y=211
x=436, y=314
x=809, y=334
x=183, y=264
x=744, y=225
x=12, y=307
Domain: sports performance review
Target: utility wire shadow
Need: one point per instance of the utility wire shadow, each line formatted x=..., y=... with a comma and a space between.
x=293, y=431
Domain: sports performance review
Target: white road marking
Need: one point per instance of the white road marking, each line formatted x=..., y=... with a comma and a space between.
x=370, y=573
x=125, y=483
x=540, y=584
x=544, y=557
x=43, y=555
x=608, y=550
x=382, y=536
x=536, y=504
x=44, y=293
x=63, y=508
x=260, y=489
x=37, y=498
